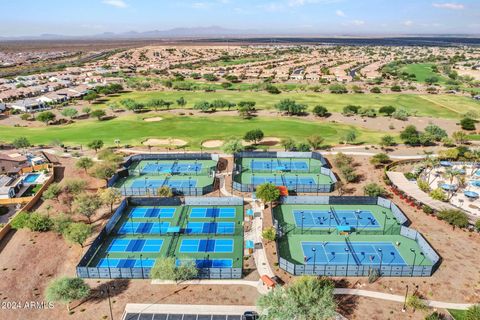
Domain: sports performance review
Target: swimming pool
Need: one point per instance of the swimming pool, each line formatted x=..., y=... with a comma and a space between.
x=31, y=177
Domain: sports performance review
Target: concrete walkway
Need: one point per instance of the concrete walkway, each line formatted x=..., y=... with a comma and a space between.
x=401, y=299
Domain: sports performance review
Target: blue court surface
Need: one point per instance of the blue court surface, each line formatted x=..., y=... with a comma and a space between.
x=129, y=227
x=210, y=227
x=278, y=165
x=135, y=245
x=326, y=219
x=212, y=213
x=151, y=212
x=209, y=263
x=280, y=180
x=158, y=183
x=359, y=253
x=206, y=245
x=171, y=167
x=125, y=263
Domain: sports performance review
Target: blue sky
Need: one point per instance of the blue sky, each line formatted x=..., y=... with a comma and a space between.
x=323, y=17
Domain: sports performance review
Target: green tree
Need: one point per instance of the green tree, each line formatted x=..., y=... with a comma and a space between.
x=315, y=142
x=414, y=302
x=267, y=192
x=53, y=192
x=438, y=194
x=181, y=102
x=86, y=205
x=436, y=132
x=99, y=114
x=387, y=141
x=387, y=110
x=290, y=107
x=254, y=136
x=309, y=298
x=233, y=146
x=84, y=163
x=109, y=197
x=103, y=171
x=374, y=190
x=467, y=124
x=20, y=220
x=69, y=113
x=288, y=144
x=203, y=106
x=410, y=135
x=46, y=117
x=39, y=222
x=269, y=234
x=380, y=159
x=455, y=218
x=65, y=290
x=61, y=222
x=91, y=96
x=77, y=232
x=87, y=110
x=460, y=137
x=96, y=145
x=350, y=137
x=320, y=111
x=21, y=143
x=338, y=88
x=167, y=269
x=303, y=147
x=164, y=192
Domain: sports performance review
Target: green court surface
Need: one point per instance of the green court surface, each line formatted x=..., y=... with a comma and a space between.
x=204, y=166
x=139, y=181
x=272, y=164
x=303, y=178
x=127, y=229
x=385, y=221
x=290, y=247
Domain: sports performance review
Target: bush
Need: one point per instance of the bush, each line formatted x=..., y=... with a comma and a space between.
x=416, y=303
x=39, y=222
x=435, y=316
x=350, y=110
x=473, y=313
x=374, y=190
x=375, y=90
x=166, y=269
x=455, y=218
x=477, y=225
x=61, y=223
x=338, y=88
x=438, y=194
x=269, y=234
x=423, y=185
x=401, y=114
x=373, y=275
x=320, y=111
x=427, y=209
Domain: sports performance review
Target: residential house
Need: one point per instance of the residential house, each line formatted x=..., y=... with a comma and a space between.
x=9, y=187
x=12, y=162
x=29, y=105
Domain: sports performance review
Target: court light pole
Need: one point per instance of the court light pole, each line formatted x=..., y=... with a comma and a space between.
x=414, y=260
x=107, y=291
x=384, y=221
x=357, y=213
x=108, y=266
x=348, y=258
x=404, y=308
x=141, y=266
x=296, y=181
x=303, y=218
x=314, y=250
x=318, y=182
x=381, y=259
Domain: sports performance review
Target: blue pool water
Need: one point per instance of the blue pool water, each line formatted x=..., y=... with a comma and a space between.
x=31, y=177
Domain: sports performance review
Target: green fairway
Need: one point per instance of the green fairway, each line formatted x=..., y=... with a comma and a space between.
x=440, y=106
x=133, y=130
x=422, y=71
x=457, y=314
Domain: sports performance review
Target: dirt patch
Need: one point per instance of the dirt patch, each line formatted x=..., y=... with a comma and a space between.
x=165, y=142
x=154, y=119
x=267, y=141
x=212, y=143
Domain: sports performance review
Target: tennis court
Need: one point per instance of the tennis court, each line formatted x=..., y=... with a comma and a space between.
x=130, y=227
x=210, y=227
x=158, y=183
x=171, y=167
x=135, y=245
x=359, y=253
x=206, y=245
x=208, y=263
x=152, y=212
x=278, y=165
x=333, y=218
x=197, y=212
x=282, y=180
x=125, y=263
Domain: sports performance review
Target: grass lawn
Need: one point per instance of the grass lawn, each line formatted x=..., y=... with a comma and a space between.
x=422, y=71
x=457, y=314
x=439, y=106
x=133, y=130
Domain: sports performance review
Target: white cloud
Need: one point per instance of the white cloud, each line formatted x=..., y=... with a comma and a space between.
x=340, y=13
x=408, y=23
x=116, y=3
x=449, y=5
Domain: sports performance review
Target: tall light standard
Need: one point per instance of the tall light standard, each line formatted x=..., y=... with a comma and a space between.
x=414, y=260
x=314, y=250
x=404, y=308
x=384, y=221
x=141, y=265
x=303, y=218
x=108, y=266
x=381, y=259
x=357, y=214
x=348, y=258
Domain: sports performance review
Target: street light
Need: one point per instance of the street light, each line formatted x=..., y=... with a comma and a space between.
x=404, y=308
x=108, y=266
x=314, y=250
x=414, y=260
x=141, y=266
x=348, y=259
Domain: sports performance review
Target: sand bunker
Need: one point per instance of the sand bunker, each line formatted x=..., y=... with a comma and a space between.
x=266, y=141
x=165, y=142
x=212, y=143
x=154, y=119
